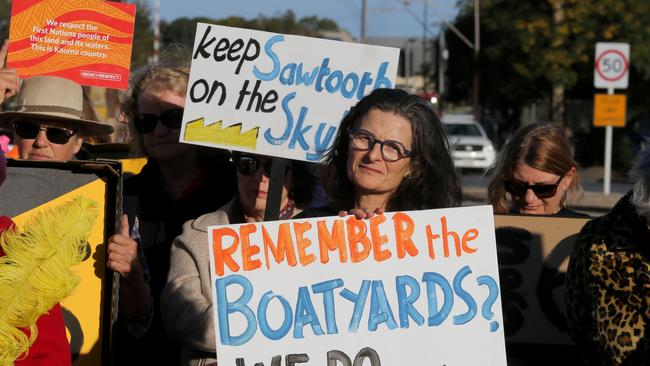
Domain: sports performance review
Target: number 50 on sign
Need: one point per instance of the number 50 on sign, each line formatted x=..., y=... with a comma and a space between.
x=612, y=65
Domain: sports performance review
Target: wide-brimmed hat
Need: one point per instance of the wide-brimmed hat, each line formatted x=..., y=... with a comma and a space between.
x=56, y=100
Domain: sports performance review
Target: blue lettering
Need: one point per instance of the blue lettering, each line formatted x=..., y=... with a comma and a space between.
x=268, y=49
x=336, y=76
x=382, y=81
x=322, y=71
x=366, y=80
x=380, y=311
x=327, y=289
x=299, y=133
x=465, y=296
x=436, y=317
x=264, y=324
x=287, y=79
x=306, y=78
x=238, y=306
x=405, y=301
x=321, y=145
x=287, y=131
x=349, y=92
x=305, y=314
x=359, y=303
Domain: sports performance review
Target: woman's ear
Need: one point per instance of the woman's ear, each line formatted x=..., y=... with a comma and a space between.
x=569, y=177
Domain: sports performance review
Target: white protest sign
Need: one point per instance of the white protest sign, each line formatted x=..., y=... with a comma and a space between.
x=612, y=65
x=409, y=288
x=277, y=95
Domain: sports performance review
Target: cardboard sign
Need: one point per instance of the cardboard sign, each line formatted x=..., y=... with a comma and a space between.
x=610, y=110
x=533, y=258
x=32, y=186
x=275, y=94
x=407, y=288
x=87, y=41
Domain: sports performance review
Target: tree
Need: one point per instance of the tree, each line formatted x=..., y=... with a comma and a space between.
x=182, y=30
x=535, y=49
x=142, y=35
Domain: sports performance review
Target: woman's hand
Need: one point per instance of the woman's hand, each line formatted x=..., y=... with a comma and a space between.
x=360, y=213
x=9, y=82
x=122, y=251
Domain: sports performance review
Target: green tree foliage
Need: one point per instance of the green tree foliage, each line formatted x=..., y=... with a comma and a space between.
x=182, y=30
x=142, y=35
x=528, y=48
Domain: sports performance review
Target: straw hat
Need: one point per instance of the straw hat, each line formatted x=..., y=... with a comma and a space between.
x=56, y=100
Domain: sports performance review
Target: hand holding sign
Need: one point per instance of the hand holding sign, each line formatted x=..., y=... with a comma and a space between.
x=122, y=251
x=9, y=82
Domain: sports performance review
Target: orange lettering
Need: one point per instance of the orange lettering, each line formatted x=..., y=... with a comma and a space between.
x=331, y=241
x=222, y=255
x=445, y=238
x=302, y=243
x=285, y=245
x=247, y=251
x=430, y=238
x=377, y=239
x=357, y=235
x=404, y=227
x=470, y=235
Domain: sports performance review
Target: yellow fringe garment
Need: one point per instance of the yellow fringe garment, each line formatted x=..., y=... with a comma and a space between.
x=36, y=273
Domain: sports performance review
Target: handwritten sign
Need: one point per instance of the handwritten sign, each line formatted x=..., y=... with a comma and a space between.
x=406, y=288
x=275, y=94
x=87, y=41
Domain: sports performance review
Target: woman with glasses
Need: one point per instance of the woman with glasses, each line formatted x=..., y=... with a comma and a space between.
x=535, y=173
x=391, y=153
x=179, y=182
x=187, y=299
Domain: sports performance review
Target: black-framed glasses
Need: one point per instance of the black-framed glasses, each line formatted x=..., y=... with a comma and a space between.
x=391, y=150
x=56, y=135
x=147, y=122
x=541, y=190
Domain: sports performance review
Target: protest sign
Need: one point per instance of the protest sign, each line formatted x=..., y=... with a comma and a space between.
x=406, y=288
x=87, y=41
x=34, y=186
x=533, y=258
x=277, y=95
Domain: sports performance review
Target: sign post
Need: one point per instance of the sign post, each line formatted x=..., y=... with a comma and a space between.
x=611, y=71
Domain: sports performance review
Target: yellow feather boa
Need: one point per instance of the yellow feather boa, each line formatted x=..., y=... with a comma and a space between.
x=36, y=273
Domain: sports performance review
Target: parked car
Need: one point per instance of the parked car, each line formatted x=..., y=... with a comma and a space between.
x=471, y=148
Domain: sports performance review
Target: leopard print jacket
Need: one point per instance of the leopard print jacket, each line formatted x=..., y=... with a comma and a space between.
x=608, y=289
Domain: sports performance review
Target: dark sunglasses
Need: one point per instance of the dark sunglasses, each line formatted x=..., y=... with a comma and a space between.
x=147, y=122
x=56, y=135
x=541, y=190
x=248, y=165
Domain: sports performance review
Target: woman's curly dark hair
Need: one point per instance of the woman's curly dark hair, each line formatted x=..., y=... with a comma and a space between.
x=432, y=183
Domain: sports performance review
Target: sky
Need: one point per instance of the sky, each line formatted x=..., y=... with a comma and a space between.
x=384, y=18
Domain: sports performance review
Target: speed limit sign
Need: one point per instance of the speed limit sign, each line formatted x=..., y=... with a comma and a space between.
x=612, y=65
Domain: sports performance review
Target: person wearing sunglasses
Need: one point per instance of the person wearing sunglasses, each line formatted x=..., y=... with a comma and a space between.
x=535, y=173
x=390, y=154
x=47, y=122
x=187, y=306
x=179, y=182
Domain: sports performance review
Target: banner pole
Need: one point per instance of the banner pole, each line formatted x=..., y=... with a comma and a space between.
x=608, y=154
x=274, y=194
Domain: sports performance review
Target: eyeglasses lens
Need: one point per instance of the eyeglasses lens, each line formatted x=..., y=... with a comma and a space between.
x=540, y=190
x=55, y=135
x=147, y=122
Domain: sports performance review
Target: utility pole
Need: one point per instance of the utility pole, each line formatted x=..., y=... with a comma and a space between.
x=362, y=38
x=477, y=50
x=156, y=33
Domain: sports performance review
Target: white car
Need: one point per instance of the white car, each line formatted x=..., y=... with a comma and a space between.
x=470, y=146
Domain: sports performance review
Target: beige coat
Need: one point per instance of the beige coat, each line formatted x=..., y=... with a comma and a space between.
x=186, y=301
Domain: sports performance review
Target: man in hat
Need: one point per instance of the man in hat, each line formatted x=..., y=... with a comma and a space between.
x=48, y=122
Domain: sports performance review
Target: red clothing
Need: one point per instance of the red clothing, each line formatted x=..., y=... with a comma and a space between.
x=51, y=346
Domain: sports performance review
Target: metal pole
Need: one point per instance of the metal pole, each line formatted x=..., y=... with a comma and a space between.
x=477, y=49
x=156, y=33
x=362, y=38
x=609, y=132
